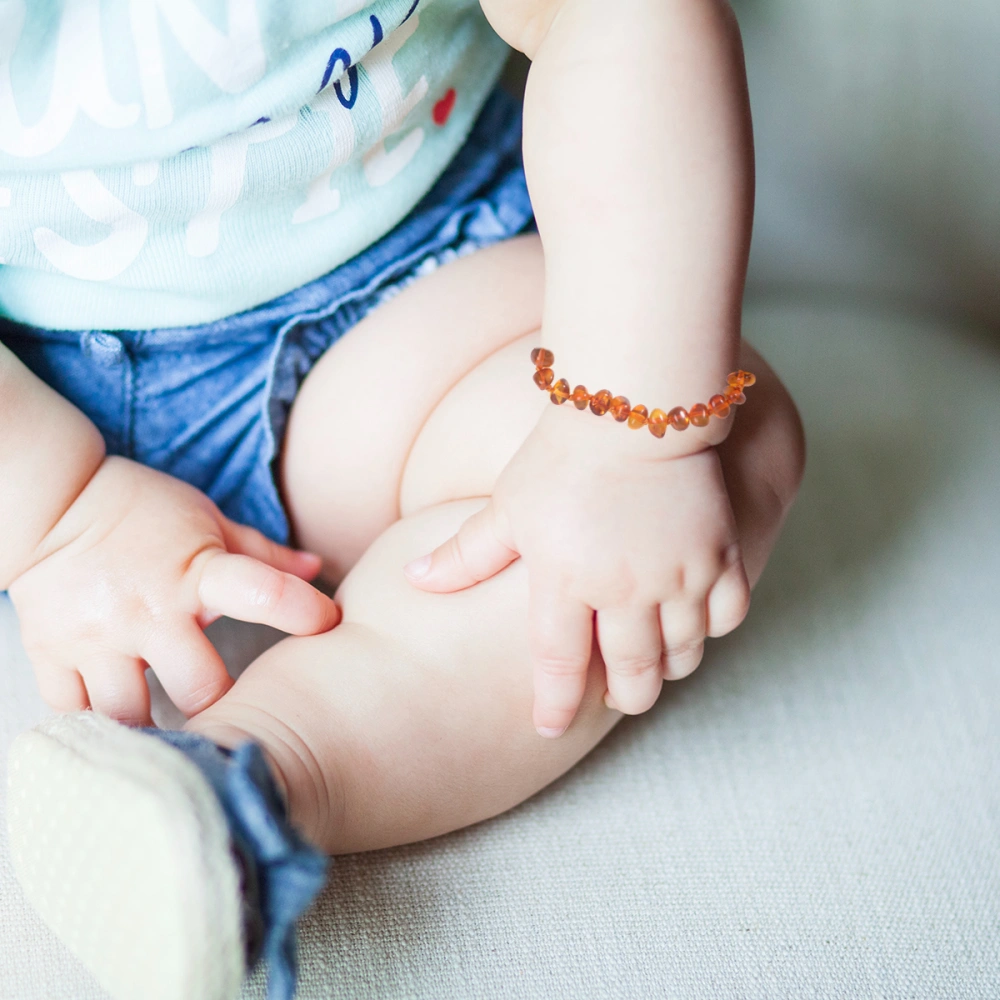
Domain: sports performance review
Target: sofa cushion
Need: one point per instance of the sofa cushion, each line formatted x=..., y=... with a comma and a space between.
x=878, y=149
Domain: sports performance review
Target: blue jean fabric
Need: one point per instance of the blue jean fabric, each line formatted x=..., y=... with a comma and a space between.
x=208, y=404
x=281, y=872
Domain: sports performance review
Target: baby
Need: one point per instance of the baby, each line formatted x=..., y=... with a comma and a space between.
x=271, y=274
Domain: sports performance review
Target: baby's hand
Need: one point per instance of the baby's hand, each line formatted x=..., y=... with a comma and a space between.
x=648, y=543
x=130, y=576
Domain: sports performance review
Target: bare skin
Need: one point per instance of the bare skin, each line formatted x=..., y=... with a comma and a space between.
x=413, y=717
x=573, y=566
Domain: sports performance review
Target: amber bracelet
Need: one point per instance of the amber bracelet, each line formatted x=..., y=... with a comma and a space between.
x=621, y=409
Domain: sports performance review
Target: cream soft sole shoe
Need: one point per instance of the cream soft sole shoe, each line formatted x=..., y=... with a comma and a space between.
x=123, y=848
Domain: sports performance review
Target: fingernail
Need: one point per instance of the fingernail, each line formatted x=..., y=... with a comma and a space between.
x=609, y=701
x=419, y=568
x=550, y=734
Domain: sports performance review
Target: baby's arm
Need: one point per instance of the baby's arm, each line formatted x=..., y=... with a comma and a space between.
x=639, y=156
x=113, y=566
x=48, y=452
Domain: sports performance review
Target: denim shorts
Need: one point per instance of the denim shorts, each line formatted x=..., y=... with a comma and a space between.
x=209, y=403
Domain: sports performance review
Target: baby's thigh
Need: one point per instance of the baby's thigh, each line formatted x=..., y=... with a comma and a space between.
x=362, y=407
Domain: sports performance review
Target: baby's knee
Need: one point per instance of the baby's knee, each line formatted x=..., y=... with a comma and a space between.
x=769, y=435
x=786, y=477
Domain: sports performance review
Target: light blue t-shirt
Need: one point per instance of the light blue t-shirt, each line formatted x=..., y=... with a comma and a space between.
x=170, y=162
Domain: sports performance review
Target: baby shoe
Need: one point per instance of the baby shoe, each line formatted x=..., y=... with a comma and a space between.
x=163, y=861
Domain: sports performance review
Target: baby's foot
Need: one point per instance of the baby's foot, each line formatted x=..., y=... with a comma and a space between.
x=168, y=870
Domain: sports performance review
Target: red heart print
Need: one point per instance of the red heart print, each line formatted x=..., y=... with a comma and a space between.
x=443, y=108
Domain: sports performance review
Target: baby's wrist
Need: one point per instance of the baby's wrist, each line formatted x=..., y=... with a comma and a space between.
x=73, y=521
x=605, y=435
x=651, y=432
x=40, y=530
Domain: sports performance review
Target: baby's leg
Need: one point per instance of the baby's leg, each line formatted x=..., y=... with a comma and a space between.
x=413, y=717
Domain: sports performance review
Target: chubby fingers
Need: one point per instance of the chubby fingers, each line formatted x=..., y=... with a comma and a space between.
x=244, y=588
x=117, y=688
x=60, y=687
x=109, y=682
x=560, y=638
x=473, y=554
x=187, y=665
x=684, y=626
x=632, y=648
x=729, y=599
x=243, y=540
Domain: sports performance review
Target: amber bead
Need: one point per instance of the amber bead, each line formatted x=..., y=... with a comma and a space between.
x=619, y=408
x=542, y=357
x=657, y=423
x=699, y=415
x=719, y=407
x=600, y=402
x=741, y=378
x=735, y=397
x=560, y=391
x=543, y=377
x=638, y=417
x=580, y=397
x=678, y=418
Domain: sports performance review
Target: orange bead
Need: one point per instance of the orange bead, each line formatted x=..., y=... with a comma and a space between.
x=542, y=358
x=560, y=391
x=735, y=397
x=620, y=408
x=699, y=415
x=600, y=402
x=678, y=418
x=638, y=417
x=543, y=377
x=741, y=378
x=719, y=407
x=657, y=423
x=580, y=397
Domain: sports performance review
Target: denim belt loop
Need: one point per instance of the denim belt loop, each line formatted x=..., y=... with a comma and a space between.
x=102, y=347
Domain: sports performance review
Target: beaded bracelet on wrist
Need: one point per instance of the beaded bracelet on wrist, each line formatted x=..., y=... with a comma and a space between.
x=602, y=402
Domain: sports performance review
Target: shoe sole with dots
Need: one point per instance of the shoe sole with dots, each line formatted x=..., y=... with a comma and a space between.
x=120, y=844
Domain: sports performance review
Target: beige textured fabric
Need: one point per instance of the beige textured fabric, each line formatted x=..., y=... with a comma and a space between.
x=813, y=814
